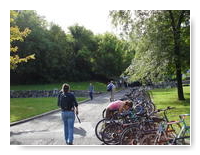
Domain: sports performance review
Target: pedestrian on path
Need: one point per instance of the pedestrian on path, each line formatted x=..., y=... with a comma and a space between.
x=111, y=88
x=69, y=106
x=91, y=91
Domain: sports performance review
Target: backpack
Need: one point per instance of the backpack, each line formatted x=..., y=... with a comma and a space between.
x=64, y=101
x=109, y=87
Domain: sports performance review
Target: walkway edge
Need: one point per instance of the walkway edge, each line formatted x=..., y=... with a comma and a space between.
x=50, y=112
x=41, y=115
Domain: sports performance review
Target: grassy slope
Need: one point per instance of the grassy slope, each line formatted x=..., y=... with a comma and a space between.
x=21, y=108
x=74, y=86
x=168, y=97
x=27, y=107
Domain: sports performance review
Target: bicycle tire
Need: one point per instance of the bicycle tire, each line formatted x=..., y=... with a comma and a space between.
x=151, y=108
x=99, y=128
x=130, y=136
x=148, y=139
x=104, y=113
x=184, y=138
x=111, y=134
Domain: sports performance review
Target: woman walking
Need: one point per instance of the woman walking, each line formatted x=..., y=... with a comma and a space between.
x=69, y=106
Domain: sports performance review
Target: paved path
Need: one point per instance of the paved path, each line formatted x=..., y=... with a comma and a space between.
x=48, y=130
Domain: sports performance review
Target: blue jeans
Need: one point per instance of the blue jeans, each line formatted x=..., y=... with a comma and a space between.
x=68, y=118
x=91, y=95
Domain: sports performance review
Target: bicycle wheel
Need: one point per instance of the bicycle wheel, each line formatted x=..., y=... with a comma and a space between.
x=100, y=126
x=130, y=136
x=165, y=137
x=154, y=139
x=140, y=110
x=173, y=129
x=148, y=139
x=148, y=127
x=111, y=134
x=150, y=107
x=104, y=113
x=184, y=137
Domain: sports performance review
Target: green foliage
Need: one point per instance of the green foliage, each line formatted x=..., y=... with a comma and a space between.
x=83, y=45
x=51, y=48
x=152, y=38
x=17, y=35
x=75, y=56
x=113, y=55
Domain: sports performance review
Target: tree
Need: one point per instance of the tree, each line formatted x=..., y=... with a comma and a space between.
x=112, y=57
x=84, y=45
x=176, y=21
x=161, y=40
x=17, y=35
x=37, y=41
x=75, y=56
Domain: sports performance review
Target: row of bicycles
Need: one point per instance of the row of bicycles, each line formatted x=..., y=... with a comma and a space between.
x=143, y=124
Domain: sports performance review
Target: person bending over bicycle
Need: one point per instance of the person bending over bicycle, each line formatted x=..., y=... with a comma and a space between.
x=118, y=106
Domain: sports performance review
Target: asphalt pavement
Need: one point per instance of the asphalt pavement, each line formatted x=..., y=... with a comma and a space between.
x=48, y=129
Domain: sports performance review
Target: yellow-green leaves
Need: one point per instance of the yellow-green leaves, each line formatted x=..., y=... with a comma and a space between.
x=17, y=35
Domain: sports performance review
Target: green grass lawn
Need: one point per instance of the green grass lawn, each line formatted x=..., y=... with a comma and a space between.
x=168, y=97
x=21, y=108
x=74, y=86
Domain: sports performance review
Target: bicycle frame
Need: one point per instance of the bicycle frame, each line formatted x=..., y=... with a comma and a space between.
x=184, y=130
x=165, y=129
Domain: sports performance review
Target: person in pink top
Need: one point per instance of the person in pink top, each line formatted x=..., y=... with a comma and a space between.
x=115, y=105
x=118, y=106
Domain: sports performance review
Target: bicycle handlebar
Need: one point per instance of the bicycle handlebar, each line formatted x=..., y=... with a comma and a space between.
x=159, y=110
x=168, y=108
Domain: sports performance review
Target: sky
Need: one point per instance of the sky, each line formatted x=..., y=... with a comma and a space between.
x=97, y=21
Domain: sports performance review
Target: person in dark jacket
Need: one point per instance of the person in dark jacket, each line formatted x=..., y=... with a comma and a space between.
x=91, y=91
x=69, y=106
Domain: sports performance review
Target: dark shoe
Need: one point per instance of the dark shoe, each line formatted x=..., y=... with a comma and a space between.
x=69, y=143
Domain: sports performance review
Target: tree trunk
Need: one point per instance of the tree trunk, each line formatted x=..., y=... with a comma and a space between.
x=176, y=32
x=179, y=81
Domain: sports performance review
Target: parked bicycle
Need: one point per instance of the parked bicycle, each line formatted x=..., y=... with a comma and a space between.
x=169, y=132
x=143, y=124
x=183, y=137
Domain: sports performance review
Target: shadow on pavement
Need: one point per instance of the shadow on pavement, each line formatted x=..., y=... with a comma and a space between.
x=80, y=131
x=24, y=132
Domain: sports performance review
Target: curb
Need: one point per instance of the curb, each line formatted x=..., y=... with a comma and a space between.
x=50, y=112
x=41, y=115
